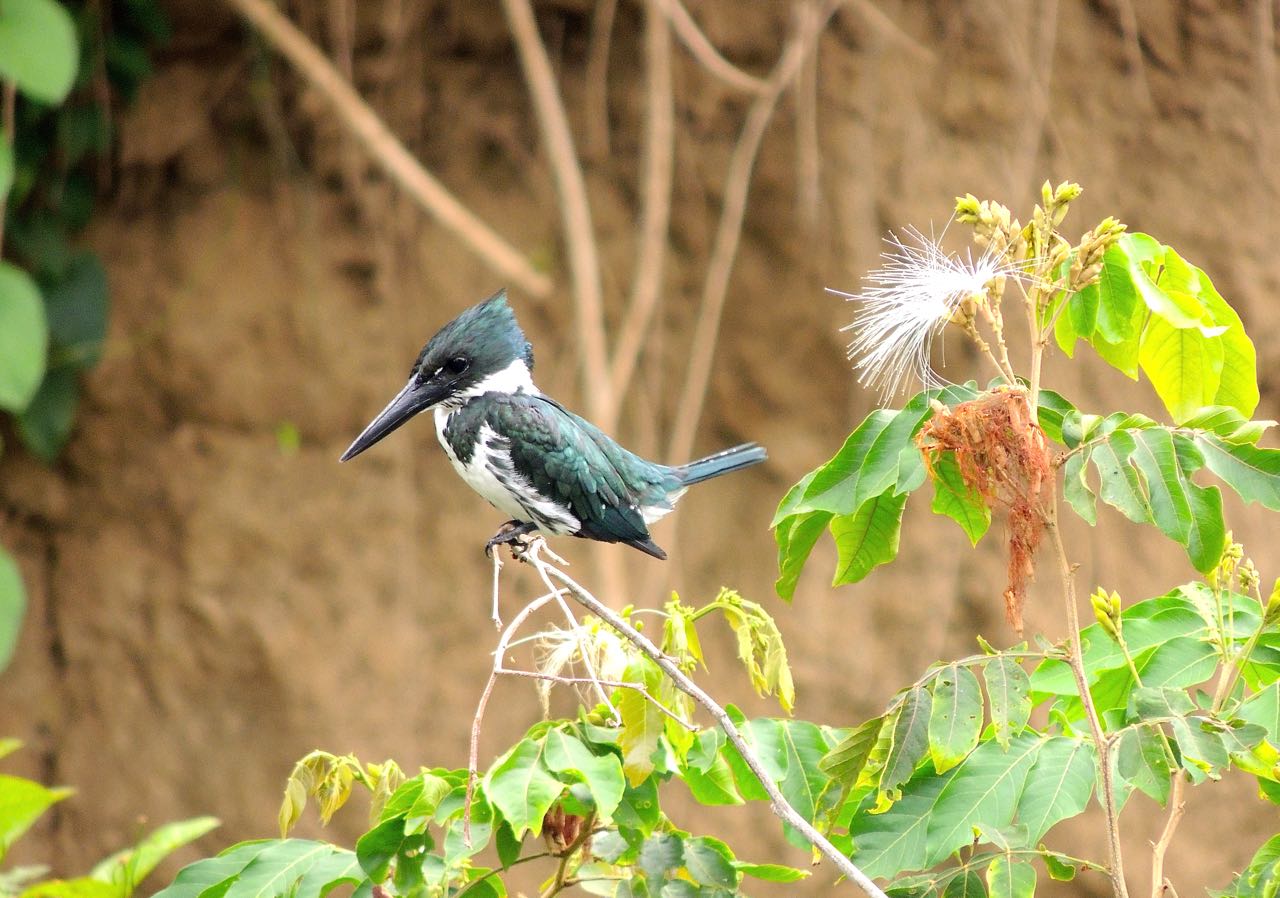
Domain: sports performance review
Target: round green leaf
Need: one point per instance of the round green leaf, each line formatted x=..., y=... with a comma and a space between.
x=13, y=606
x=38, y=49
x=76, y=307
x=46, y=423
x=24, y=337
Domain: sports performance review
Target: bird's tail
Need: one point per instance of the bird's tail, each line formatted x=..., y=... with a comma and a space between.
x=743, y=456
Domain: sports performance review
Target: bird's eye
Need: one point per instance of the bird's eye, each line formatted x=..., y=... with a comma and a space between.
x=457, y=365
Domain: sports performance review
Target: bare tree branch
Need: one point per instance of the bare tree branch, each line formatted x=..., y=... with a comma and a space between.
x=575, y=211
x=387, y=151
x=655, y=216
x=777, y=802
x=705, y=52
x=595, y=89
x=725, y=248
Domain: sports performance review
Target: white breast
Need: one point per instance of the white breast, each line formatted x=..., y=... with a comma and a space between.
x=490, y=473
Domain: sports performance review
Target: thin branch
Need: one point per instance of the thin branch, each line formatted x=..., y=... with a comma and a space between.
x=1106, y=796
x=575, y=211
x=655, y=215
x=725, y=248
x=705, y=52
x=777, y=802
x=387, y=151
x=1177, y=807
x=876, y=18
x=473, y=764
x=595, y=87
x=576, y=629
x=1133, y=50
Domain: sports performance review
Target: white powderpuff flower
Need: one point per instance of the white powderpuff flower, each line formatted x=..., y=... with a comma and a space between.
x=907, y=302
x=559, y=649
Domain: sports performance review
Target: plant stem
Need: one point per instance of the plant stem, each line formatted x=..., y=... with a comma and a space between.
x=1106, y=797
x=777, y=802
x=386, y=150
x=1177, y=807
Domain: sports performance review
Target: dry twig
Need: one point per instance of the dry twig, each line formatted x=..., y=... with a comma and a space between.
x=655, y=216
x=729, y=232
x=777, y=802
x=387, y=151
x=575, y=211
x=705, y=52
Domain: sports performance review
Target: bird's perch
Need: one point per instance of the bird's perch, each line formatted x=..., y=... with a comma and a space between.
x=777, y=802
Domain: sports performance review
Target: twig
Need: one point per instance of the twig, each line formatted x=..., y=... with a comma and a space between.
x=1106, y=796
x=595, y=87
x=473, y=764
x=575, y=211
x=777, y=802
x=876, y=17
x=655, y=215
x=1133, y=50
x=705, y=52
x=1177, y=807
x=576, y=629
x=729, y=233
x=387, y=151
x=494, y=614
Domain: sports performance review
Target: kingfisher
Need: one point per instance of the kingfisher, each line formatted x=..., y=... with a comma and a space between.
x=546, y=468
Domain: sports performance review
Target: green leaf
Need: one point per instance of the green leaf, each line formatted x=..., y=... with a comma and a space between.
x=1263, y=709
x=1252, y=472
x=521, y=788
x=955, y=718
x=869, y=538
x=1202, y=751
x=771, y=872
x=796, y=536
x=845, y=762
x=275, y=871
x=641, y=723
x=985, y=789
x=76, y=307
x=1010, y=878
x=1058, y=786
x=888, y=843
x=204, y=876
x=954, y=498
x=22, y=802
x=710, y=863
x=45, y=425
x=129, y=867
x=713, y=786
x=1058, y=867
x=1120, y=311
x=38, y=49
x=1007, y=691
x=564, y=753
x=13, y=607
x=968, y=884
x=24, y=334
x=1184, y=366
x=910, y=739
x=791, y=752
x=660, y=854
x=377, y=848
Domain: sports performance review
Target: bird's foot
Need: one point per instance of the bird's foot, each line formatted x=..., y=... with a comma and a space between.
x=512, y=532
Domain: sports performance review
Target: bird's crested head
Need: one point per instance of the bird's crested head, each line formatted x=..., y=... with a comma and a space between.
x=482, y=346
x=481, y=351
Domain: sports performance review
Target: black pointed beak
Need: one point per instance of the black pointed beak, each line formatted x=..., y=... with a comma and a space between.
x=408, y=402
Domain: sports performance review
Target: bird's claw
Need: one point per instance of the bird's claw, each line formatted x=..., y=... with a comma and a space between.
x=514, y=534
